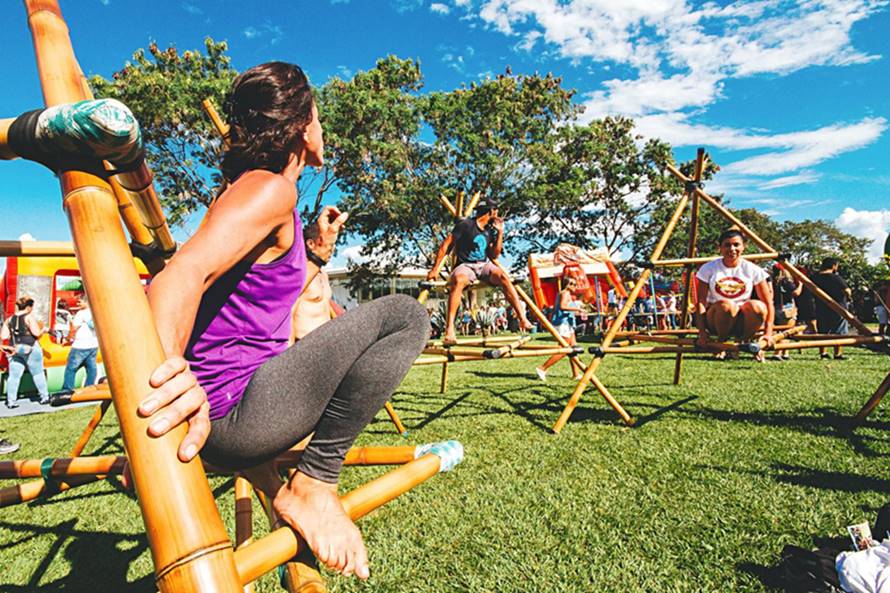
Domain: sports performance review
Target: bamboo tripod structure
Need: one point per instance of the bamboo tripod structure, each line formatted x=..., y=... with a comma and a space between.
x=488, y=348
x=789, y=339
x=190, y=548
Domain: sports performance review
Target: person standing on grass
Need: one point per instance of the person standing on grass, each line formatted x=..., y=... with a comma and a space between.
x=725, y=288
x=829, y=321
x=84, y=346
x=563, y=319
x=23, y=331
x=476, y=241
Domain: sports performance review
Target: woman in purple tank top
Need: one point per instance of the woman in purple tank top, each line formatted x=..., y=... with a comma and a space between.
x=223, y=310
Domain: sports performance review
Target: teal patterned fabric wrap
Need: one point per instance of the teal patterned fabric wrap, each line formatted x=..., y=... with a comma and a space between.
x=449, y=452
x=104, y=128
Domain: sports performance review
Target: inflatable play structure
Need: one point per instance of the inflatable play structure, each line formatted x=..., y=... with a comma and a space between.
x=593, y=271
x=50, y=281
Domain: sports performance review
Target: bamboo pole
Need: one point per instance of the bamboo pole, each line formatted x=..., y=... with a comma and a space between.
x=63, y=467
x=36, y=249
x=394, y=416
x=459, y=204
x=650, y=350
x=441, y=358
x=691, y=247
x=6, y=153
x=190, y=547
x=482, y=341
x=222, y=127
x=850, y=341
x=474, y=353
x=448, y=205
x=468, y=211
x=502, y=351
x=695, y=261
x=589, y=373
x=443, y=379
x=282, y=544
x=872, y=402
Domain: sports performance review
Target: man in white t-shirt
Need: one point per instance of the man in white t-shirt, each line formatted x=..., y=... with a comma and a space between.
x=84, y=346
x=725, y=288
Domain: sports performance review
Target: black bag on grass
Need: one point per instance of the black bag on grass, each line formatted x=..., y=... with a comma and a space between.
x=810, y=571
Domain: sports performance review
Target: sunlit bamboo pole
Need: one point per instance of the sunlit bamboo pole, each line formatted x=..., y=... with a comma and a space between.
x=222, y=127
x=691, y=248
x=650, y=350
x=477, y=341
x=189, y=544
x=6, y=153
x=283, y=544
x=394, y=417
x=448, y=205
x=695, y=261
x=873, y=401
x=468, y=211
x=848, y=341
x=440, y=358
x=590, y=372
x=62, y=468
x=36, y=249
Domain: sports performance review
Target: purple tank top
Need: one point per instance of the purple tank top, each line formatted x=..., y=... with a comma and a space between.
x=243, y=321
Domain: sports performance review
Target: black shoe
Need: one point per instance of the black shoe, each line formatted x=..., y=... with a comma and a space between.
x=840, y=357
x=824, y=356
x=11, y=406
x=6, y=447
x=44, y=402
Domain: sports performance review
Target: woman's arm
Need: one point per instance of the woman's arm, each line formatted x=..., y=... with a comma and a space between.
x=241, y=223
x=565, y=302
x=244, y=223
x=34, y=326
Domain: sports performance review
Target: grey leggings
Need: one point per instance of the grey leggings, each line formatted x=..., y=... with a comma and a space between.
x=332, y=382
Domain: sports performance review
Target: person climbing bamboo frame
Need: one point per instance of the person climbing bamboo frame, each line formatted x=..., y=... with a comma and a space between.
x=223, y=310
x=725, y=288
x=476, y=241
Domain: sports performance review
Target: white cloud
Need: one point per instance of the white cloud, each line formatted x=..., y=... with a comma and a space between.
x=867, y=224
x=191, y=8
x=681, y=54
x=803, y=178
x=273, y=33
x=353, y=254
x=787, y=151
x=439, y=8
x=26, y=237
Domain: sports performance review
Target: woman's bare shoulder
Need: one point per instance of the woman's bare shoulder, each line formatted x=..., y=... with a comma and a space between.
x=264, y=190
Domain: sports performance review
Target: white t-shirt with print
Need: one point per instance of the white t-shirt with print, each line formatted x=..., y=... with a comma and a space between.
x=730, y=284
x=85, y=336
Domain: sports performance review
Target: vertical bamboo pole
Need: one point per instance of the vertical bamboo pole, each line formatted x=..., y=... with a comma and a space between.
x=690, y=253
x=459, y=204
x=443, y=382
x=873, y=401
x=613, y=329
x=243, y=516
x=190, y=547
x=5, y=153
x=468, y=211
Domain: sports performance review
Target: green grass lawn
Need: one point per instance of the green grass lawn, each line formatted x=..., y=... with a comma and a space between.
x=722, y=471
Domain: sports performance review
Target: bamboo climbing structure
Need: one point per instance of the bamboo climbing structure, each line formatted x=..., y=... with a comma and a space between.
x=674, y=342
x=190, y=547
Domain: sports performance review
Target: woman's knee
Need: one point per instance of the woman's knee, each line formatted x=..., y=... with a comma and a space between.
x=410, y=312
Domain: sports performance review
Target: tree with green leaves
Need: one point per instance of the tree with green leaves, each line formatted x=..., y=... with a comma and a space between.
x=164, y=89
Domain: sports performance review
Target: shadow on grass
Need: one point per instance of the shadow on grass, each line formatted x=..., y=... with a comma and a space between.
x=99, y=561
x=826, y=422
x=814, y=478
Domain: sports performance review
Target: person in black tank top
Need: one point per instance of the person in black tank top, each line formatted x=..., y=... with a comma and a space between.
x=22, y=330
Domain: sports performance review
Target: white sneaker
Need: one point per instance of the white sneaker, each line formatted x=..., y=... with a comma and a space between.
x=542, y=374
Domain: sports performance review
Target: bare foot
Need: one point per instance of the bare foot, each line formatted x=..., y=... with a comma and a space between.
x=313, y=508
x=450, y=337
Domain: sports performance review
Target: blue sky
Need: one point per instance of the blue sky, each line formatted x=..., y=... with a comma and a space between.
x=792, y=99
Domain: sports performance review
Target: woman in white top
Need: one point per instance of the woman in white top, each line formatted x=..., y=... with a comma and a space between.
x=725, y=287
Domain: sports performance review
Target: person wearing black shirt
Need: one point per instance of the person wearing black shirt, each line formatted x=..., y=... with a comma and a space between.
x=476, y=241
x=827, y=320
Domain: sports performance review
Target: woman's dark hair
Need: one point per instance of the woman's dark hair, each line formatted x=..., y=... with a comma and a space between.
x=267, y=111
x=728, y=234
x=24, y=302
